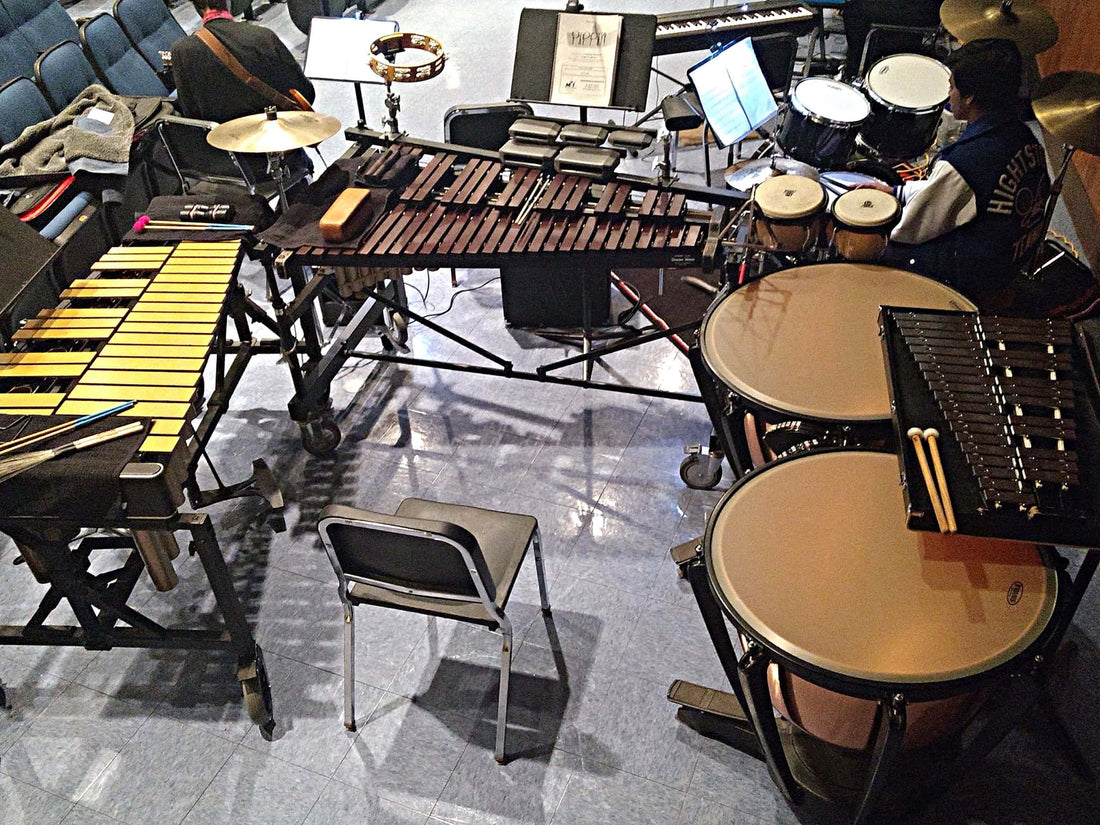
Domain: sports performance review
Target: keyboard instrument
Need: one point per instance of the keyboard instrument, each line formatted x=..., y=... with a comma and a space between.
x=698, y=29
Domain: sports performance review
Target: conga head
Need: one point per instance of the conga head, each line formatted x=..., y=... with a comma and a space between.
x=866, y=208
x=789, y=197
x=805, y=340
x=812, y=556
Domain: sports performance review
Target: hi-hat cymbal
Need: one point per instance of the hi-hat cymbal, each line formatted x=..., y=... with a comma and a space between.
x=746, y=174
x=1068, y=106
x=1023, y=22
x=273, y=132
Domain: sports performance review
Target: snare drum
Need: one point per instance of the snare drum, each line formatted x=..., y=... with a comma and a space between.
x=801, y=348
x=821, y=125
x=861, y=223
x=907, y=94
x=790, y=213
x=811, y=559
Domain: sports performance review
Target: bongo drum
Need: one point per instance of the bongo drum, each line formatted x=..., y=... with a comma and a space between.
x=790, y=213
x=811, y=560
x=861, y=222
x=800, y=347
x=907, y=93
x=824, y=118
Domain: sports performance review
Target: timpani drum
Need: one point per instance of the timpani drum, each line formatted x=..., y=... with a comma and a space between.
x=861, y=222
x=790, y=213
x=822, y=123
x=811, y=560
x=907, y=93
x=800, y=349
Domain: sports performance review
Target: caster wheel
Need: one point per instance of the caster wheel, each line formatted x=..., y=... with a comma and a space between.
x=700, y=472
x=321, y=437
x=397, y=329
x=257, y=699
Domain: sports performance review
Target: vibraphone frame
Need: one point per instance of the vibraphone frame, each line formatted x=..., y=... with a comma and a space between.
x=99, y=600
x=307, y=270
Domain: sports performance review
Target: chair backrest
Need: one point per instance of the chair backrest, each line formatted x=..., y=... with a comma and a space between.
x=776, y=55
x=17, y=56
x=22, y=104
x=417, y=556
x=884, y=40
x=121, y=67
x=150, y=26
x=43, y=22
x=63, y=72
x=302, y=12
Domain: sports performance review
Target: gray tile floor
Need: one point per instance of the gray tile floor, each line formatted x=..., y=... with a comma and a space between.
x=141, y=737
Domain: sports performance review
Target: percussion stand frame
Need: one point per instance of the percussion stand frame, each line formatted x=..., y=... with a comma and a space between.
x=1048, y=214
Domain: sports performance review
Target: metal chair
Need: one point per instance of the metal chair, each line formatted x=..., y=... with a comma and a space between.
x=884, y=40
x=63, y=72
x=446, y=560
x=121, y=66
x=22, y=104
x=776, y=55
x=150, y=26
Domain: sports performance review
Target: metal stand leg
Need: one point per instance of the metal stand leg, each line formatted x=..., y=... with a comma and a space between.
x=891, y=729
x=349, y=666
x=753, y=672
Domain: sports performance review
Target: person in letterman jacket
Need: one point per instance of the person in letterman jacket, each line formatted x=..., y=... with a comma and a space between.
x=974, y=223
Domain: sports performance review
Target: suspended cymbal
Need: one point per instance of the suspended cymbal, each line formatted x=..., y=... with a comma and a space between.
x=746, y=174
x=273, y=132
x=1023, y=22
x=1068, y=106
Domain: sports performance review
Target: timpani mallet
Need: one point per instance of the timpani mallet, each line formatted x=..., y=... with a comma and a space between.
x=931, y=435
x=916, y=435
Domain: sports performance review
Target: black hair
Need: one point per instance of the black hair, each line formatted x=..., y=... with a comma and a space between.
x=989, y=70
x=202, y=6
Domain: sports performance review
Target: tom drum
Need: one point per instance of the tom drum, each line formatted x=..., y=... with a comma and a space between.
x=822, y=123
x=907, y=93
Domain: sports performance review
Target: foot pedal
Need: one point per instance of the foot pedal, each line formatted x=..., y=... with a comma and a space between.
x=696, y=697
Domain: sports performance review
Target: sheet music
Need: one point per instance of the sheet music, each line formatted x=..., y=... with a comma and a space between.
x=734, y=94
x=585, y=57
x=337, y=48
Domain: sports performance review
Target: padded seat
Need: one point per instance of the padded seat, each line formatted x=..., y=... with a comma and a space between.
x=118, y=63
x=63, y=72
x=17, y=56
x=22, y=104
x=44, y=23
x=448, y=560
x=150, y=26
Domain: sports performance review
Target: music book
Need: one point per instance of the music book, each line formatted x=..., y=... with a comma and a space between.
x=585, y=56
x=733, y=92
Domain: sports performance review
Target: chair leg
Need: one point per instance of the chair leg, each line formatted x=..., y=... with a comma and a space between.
x=502, y=700
x=536, y=542
x=349, y=667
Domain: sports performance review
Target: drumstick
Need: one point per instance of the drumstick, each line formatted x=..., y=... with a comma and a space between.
x=932, y=435
x=916, y=435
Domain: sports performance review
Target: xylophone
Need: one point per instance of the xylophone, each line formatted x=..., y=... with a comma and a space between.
x=1018, y=427
x=141, y=327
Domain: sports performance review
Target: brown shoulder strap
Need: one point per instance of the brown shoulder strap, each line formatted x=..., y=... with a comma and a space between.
x=242, y=74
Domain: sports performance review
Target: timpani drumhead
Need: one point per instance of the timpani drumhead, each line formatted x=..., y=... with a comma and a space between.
x=805, y=340
x=812, y=555
x=866, y=208
x=909, y=81
x=830, y=100
x=789, y=197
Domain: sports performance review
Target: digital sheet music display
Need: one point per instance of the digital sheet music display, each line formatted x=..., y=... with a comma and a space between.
x=733, y=92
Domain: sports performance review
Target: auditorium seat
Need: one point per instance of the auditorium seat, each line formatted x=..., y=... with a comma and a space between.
x=150, y=26
x=63, y=72
x=43, y=22
x=16, y=53
x=22, y=104
x=120, y=66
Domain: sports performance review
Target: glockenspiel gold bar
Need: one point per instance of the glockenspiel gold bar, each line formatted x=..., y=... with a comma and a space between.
x=103, y=292
x=84, y=312
x=85, y=391
x=171, y=268
x=166, y=426
x=163, y=251
x=192, y=286
x=152, y=378
x=41, y=370
x=196, y=316
x=68, y=323
x=76, y=357
x=27, y=401
x=143, y=409
x=83, y=334
x=159, y=443
x=112, y=264
x=111, y=350
x=157, y=306
x=139, y=325
x=129, y=283
x=185, y=246
x=190, y=278
x=160, y=339
x=184, y=297
x=187, y=366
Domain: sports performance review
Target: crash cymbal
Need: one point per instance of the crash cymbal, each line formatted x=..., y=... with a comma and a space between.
x=1068, y=106
x=1023, y=22
x=746, y=174
x=273, y=131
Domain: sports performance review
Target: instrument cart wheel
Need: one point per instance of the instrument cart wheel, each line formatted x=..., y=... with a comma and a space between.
x=397, y=328
x=257, y=698
x=320, y=437
x=701, y=471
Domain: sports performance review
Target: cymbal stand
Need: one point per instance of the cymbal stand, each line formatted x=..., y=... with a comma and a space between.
x=276, y=168
x=393, y=106
x=1055, y=191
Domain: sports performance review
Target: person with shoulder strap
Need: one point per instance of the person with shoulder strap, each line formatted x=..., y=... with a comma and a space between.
x=229, y=69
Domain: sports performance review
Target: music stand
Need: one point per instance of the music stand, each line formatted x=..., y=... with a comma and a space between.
x=733, y=92
x=533, y=70
x=335, y=50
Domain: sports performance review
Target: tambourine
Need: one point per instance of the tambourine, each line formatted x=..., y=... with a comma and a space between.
x=398, y=42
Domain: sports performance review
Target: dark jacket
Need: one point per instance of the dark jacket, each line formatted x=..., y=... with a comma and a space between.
x=209, y=91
